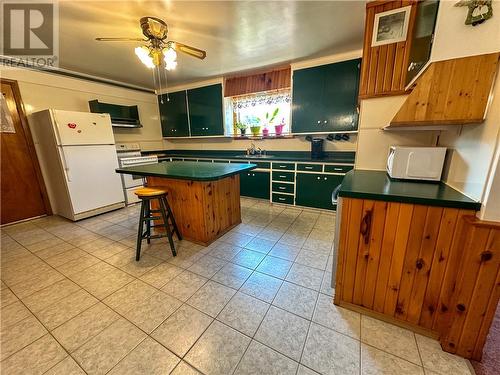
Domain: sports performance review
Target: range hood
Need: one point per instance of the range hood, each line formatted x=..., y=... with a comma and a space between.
x=449, y=92
x=122, y=116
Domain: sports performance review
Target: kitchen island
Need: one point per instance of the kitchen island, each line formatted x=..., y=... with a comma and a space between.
x=204, y=197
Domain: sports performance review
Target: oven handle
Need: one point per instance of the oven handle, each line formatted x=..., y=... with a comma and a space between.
x=335, y=194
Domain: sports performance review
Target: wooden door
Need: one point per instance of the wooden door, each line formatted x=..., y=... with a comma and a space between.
x=23, y=191
x=174, y=115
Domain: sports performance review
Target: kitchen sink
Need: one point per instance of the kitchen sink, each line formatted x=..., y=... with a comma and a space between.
x=255, y=156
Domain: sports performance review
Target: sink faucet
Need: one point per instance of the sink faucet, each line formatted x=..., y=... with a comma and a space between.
x=251, y=150
x=259, y=151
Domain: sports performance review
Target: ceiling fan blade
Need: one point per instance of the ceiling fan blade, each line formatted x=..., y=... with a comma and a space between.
x=121, y=39
x=192, y=51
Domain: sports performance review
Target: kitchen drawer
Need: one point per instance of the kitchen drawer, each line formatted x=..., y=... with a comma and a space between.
x=284, y=166
x=338, y=168
x=284, y=176
x=310, y=167
x=282, y=188
x=282, y=198
x=262, y=164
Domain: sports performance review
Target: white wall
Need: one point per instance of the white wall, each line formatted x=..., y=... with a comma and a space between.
x=454, y=39
x=374, y=143
x=41, y=90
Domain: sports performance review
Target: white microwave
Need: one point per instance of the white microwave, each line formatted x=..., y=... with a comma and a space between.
x=416, y=163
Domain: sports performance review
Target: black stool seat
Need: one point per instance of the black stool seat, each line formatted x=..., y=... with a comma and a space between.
x=146, y=195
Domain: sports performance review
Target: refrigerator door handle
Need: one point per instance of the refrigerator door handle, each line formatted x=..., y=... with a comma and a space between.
x=65, y=164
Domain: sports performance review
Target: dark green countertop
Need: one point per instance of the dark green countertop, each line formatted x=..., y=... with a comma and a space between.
x=378, y=186
x=188, y=170
x=342, y=157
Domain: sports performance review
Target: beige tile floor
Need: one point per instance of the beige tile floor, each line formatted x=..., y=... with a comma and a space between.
x=257, y=301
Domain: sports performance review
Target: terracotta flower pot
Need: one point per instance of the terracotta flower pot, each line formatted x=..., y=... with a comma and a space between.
x=279, y=129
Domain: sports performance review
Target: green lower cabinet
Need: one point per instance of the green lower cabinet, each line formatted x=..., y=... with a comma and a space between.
x=255, y=184
x=315, y=189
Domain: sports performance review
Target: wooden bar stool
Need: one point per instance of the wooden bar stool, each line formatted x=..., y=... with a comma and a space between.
x=146, y=195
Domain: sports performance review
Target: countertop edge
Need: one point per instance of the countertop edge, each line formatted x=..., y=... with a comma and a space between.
x=475, y=206
x=160, y=175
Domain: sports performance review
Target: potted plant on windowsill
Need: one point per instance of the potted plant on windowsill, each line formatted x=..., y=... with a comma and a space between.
x=279, y=128
x=242, y=128
x=254, y=125
x=269, y=120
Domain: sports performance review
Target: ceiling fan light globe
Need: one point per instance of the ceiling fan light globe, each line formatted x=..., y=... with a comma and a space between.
x=170, y=65
x=143, y=55
x=170, y=54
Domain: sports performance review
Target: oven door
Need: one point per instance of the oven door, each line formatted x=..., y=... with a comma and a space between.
x=131, y=180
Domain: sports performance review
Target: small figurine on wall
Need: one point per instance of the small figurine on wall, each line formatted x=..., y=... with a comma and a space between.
x=479, y=10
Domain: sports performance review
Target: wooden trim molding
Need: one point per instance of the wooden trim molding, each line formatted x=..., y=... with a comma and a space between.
x=29, y=140
x=279, y=78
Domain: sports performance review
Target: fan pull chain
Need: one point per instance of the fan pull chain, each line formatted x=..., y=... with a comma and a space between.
x=166, y=85
x=154, y=85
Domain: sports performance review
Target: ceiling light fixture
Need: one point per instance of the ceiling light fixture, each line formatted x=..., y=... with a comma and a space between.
x=160, y=54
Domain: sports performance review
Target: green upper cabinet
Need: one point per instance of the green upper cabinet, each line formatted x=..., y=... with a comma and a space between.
x=315, y=189
x=192, y=113
x=205, y=111
x=325, y=98
x=173, y=115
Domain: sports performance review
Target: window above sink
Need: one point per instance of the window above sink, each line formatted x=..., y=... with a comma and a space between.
x=263, y=114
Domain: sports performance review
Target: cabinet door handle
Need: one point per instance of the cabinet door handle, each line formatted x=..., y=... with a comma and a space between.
x=308, y=167
x=281, y=187
x=282, y=199
x=337, y=169
x=365, y=228
x=326, y=178
x=282, y=166
x=281, y=176
x=319, y=122
x=318, y=178
x=325, y=122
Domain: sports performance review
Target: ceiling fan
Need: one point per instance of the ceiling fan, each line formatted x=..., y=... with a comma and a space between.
x=158, y=51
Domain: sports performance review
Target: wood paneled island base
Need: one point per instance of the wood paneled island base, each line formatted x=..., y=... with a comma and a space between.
x=203, y=210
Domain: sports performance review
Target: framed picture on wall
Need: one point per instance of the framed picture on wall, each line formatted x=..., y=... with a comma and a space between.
x=391, y=26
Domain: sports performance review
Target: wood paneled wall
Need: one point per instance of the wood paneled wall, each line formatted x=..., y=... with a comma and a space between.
x=433, y=269
x=394, y=257
x=383, y=68
x=279, y=78
x=477, y=289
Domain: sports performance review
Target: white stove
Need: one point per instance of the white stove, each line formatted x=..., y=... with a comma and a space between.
x=129, y=154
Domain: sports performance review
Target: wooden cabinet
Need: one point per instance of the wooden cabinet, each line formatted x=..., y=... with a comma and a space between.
x=394, y=258
x=325, y=98
x=255, y=184
x=472, y=307
x=384, y=67
x=315, y=189
x=174, y=115
x=193, y=113
x=205, y=111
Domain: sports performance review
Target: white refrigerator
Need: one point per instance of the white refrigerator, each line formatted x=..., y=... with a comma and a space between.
x=78, y=160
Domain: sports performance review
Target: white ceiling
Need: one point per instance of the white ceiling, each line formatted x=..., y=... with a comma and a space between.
x=237, y=35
